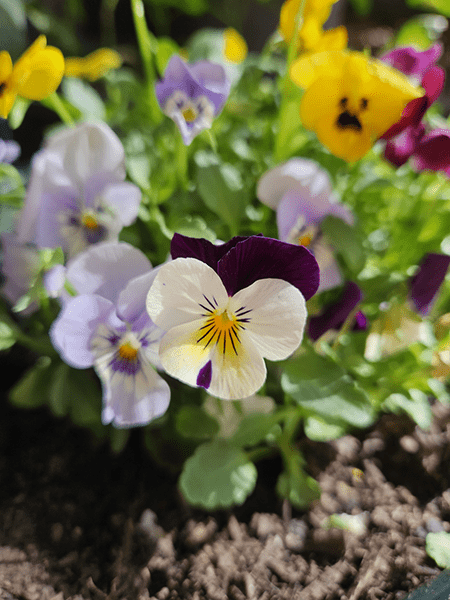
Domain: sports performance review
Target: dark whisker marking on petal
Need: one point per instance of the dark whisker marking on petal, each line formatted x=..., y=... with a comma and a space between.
x=210, y=339
x=215, y=301
x=224, y=342
x=218, y=338
x=234, y=330
x=205, y=334
x=243, y=313
x=232, y=342
x=243, y=321
x=209, y=302
x=209, y=323
x=208, y=310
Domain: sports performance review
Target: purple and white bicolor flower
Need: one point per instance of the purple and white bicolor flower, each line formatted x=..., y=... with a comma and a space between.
x=192, y=95
x=425, y=284
x=226, y=308
x=106, y=326
x=77, y=195
x=9, y=151
x=300, y=192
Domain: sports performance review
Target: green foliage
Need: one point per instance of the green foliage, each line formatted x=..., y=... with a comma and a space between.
x=438, y=547
x=217, y=475
x=194, y=423
x=440, y=6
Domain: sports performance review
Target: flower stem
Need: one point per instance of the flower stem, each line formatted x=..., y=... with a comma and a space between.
x=182, y=161
x=58, y=106
x=288, y=89
x=148, y=45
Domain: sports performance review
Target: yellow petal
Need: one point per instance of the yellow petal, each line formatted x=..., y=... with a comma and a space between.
x=332, y=39
x=93, y=66
x=235, y=49
x=38, y=72
x=6, y=103
x=314, y=10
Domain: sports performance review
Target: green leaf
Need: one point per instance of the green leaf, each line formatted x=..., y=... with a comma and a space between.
x=437, y=546
x=344, y=239
x=298, y=487
x=194, y=423
x=217, y=475
x=18, y=112
x=362, y=7
x=83, y=96
x=219, y=190
x=59, y=393
x=166, y=48
x=13, y=23
x=7, y=336
x=253, y=429
x=118, y=439
x=320, y=430
x=325, y=390
x=441, y=6
x=33, y=389
x=417, y=407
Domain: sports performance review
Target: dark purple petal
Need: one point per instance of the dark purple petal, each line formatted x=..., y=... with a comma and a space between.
x=399, y=149
x=433, y=152
x=410, y=61
x=427, y=281
x=265, y=258
x=335, y=314
x=183, y=246
x=204, y=376
x=201, y=79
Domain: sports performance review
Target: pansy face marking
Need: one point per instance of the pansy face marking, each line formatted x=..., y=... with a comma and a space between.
x=348, y=119
x=192, y=114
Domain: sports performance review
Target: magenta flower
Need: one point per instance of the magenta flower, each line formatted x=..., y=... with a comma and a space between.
x=412, y=62
x=107, y=327
x=192, y=95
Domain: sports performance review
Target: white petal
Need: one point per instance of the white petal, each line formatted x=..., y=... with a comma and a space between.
x=330, y=275
x=277, y=318
x=233, y=376
x=181, y=291
x=124, y=198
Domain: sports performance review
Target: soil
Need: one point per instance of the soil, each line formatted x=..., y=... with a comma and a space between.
x=78, y=522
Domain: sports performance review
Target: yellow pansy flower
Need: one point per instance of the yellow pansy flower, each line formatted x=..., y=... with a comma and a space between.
x=35, y=75
x=94, y=65
x=235, y=49
x=311, y=36
x=350, y=99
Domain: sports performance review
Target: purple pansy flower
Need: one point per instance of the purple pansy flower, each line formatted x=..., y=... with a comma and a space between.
x=334, y=315
x=300, y=191
x=107, y=327
x=192, y=95
x=77, y=195
x=426, y=282
x=226, y=308
x=412, y=62
x=9, y=151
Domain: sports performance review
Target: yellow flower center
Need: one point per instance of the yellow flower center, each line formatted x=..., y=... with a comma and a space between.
x=222, y=330
x=305, y=240
x=189, y=114
x=89, y=222
x=128, y=352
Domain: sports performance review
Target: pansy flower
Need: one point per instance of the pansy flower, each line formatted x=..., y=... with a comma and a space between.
x=350, y=100
x=412, y=62
x=425, y=284
x=311, y=36
x=106, y=326
x=77, y=195
x=20, y=267
x=9, y=151
x=227, y=307
x=36, y=74
x=300, y=191
x=192, y=95
x=94, y=65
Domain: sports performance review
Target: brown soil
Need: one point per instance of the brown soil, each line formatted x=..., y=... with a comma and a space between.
x=79, y=523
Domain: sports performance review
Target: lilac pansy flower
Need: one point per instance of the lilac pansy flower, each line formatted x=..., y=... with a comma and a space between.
x=412, y=62
x=77, y=195
x=106, y=326
x=425, y=284
x=300, y=192
x=226, y=308
x=192, y=95
x=20, y=268
x=9, y=151
x=334, y=315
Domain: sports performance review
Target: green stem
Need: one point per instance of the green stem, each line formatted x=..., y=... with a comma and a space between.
x=345, y=326
x=286, y=86
x=182, y=161
x=107, y=23
x=212, y=141
x=58, y=106
x=147, y=47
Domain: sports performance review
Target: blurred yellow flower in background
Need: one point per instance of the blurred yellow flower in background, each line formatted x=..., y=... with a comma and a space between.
x=35, y=75
x=311, y=36
x=94, y=65
x=350, y=99
x=235, y=49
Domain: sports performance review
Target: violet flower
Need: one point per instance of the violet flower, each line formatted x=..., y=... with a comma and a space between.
x=226, y=308
x=300, y=191
x=20, y=267
x=107, y=327
x=334, y=315
x=9, y=151
x=192, y=95
x=77, y=195
x=426, y=282
x=412, y=62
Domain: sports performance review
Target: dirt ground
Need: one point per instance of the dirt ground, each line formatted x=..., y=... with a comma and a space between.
x=79, y=523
